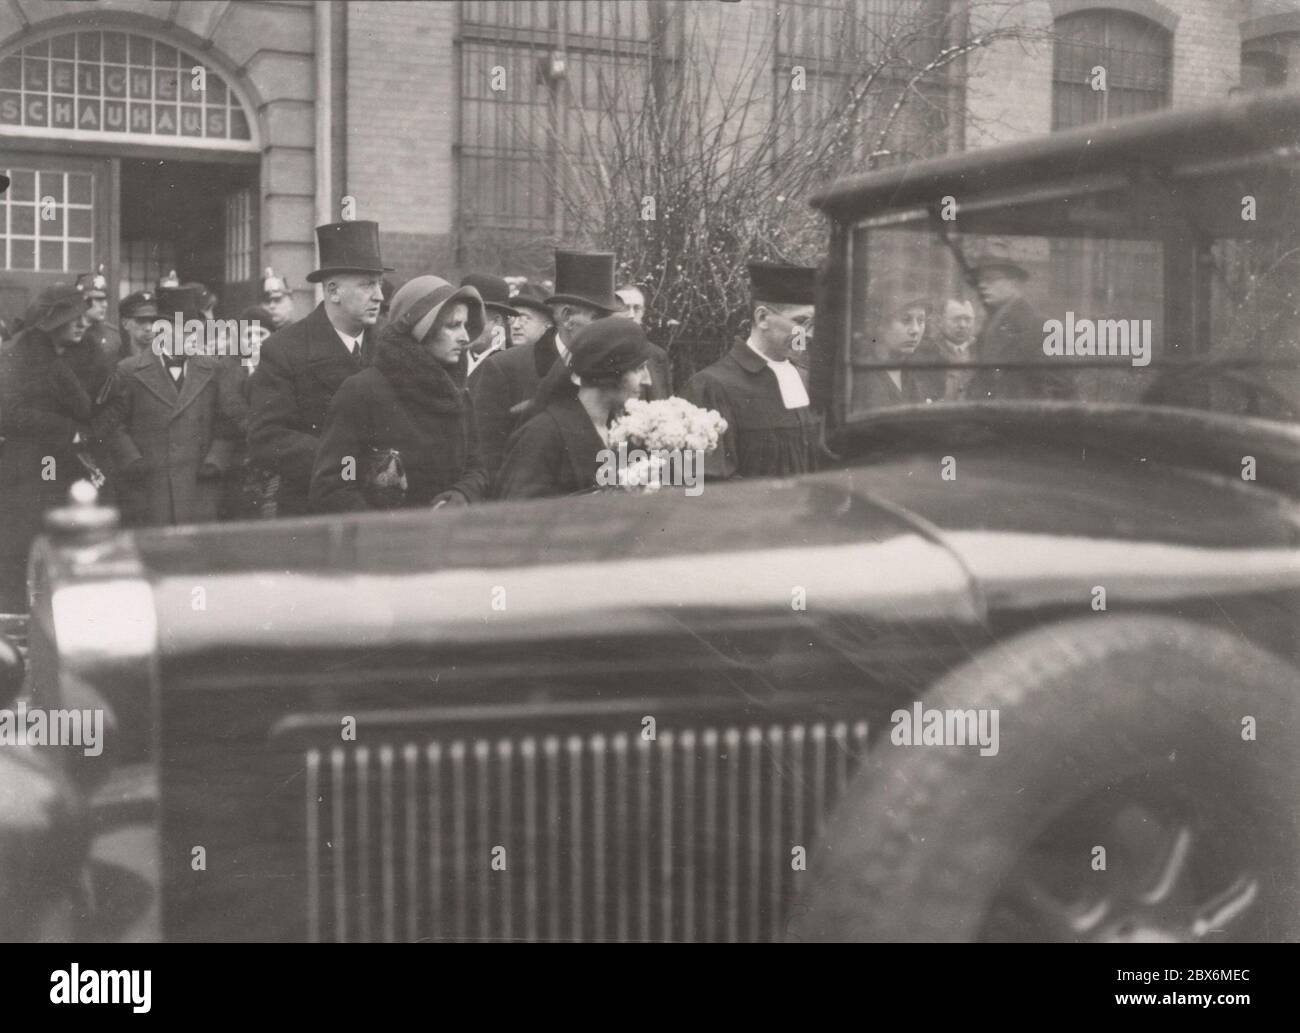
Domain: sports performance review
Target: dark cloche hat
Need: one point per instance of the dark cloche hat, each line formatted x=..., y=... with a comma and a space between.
x=348, y=247
x=187, y=300
x=55, y=306
x=531, y=296
x=139, y=305
x=585, y=278
x=782, y=284
x=607, y=348
x=494, y=291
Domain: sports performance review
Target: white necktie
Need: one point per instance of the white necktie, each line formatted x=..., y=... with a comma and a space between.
x=793, y=394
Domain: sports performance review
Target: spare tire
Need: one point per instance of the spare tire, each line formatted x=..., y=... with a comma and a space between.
x=1168, y=745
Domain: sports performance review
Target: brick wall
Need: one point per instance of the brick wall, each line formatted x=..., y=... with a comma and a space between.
x=401, y=109
x=1010, y=91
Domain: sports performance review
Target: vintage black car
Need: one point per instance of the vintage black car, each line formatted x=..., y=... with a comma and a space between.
x=1008, y=668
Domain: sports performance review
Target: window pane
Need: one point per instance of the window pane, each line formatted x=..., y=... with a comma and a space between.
x=23, y=254
x=22, y=219
x=52, y=256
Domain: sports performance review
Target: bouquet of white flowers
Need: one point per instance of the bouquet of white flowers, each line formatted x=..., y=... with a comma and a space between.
x=662, y=433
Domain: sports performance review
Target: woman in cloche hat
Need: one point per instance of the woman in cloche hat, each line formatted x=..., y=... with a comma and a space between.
x=401, y=432
x=557, y=451
x=50, y=380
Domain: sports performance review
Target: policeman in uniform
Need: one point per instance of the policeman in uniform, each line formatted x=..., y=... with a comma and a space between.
x=276, y=300
x=94, y=287
x=136, y=314
x=771, y=429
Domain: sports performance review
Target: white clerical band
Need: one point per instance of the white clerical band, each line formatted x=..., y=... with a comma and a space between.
x=793, y=394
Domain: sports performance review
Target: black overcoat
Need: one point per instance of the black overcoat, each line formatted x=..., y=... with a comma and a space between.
x=301, y=368
x=46, y=400
x=404, y=403
x=1014, y=333
x=502, y=382
x=557, y=452
x=763, y=437
x=175, y=433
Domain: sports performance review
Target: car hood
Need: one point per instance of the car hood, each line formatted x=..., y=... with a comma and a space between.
x=1017, y=520
x=597, y=565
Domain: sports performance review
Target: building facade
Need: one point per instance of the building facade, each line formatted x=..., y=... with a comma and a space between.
x=211, y=137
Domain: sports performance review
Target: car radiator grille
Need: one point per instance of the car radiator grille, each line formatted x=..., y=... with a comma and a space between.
x=694, y=835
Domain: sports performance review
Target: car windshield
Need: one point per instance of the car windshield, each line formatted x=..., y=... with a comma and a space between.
x=941, y=316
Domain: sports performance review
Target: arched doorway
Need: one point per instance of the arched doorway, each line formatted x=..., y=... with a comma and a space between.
x=128, y=150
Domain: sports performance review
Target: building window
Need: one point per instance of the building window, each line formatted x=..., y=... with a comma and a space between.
x=110, y=85
x=1107, y=276
x=144, y=263
x=47, y=216
x=539, y=82
x=1134, y=54
x=1266, y=60
x=240, y=245
x=832, y=46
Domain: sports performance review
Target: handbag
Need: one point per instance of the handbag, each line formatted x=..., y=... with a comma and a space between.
x=383, y=478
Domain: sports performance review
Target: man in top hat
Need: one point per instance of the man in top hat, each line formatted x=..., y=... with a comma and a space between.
x=1013, y=332
x=103, y=336
x=500, y=313
x=302, y=365
x=136, y=313
x=173, y=422
x=584, y=292
x=276, y=300
x=771, y=429
x=632, y=295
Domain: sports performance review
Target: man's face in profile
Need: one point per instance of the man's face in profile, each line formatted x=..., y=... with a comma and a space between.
x=996, y=288
x=958, y=321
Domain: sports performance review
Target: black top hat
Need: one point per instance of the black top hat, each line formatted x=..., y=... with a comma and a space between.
x=533, y=297
x=781, y=284
x=351, y=247
x=585, y=278
x=187, y=300
x=494, y=291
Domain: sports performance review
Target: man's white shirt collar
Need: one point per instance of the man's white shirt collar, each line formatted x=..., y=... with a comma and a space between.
x=793, y=394
x=350, y=343
x=560, y=347
x=475, y=361
x=175, y=372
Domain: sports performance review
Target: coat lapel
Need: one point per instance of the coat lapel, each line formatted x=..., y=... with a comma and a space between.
x=150, y=372
x=198, y=372
x=545, y=353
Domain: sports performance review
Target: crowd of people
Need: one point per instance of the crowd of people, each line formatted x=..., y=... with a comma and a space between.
x=431, y=395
